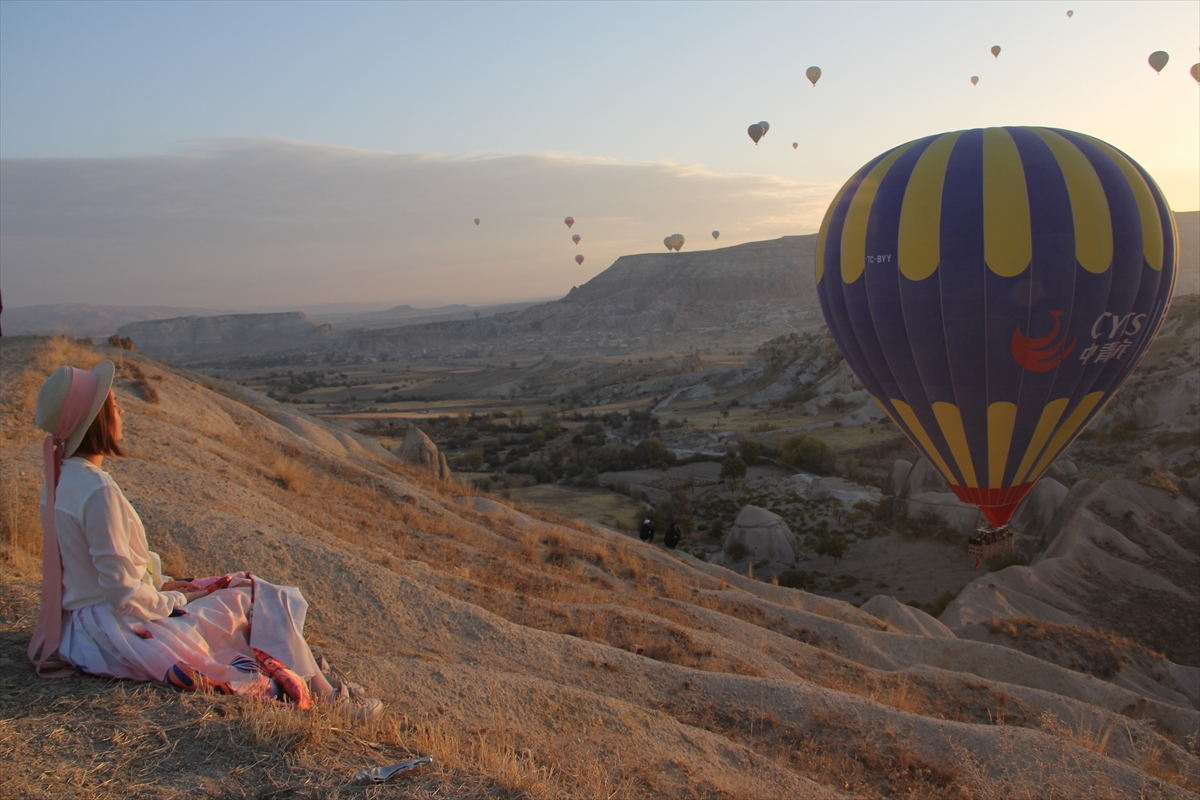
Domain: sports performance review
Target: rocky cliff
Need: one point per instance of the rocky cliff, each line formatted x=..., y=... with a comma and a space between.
x=190, y=338
x=644, y=301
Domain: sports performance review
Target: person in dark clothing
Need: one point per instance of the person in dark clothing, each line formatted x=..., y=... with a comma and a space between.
x=646, y=534
x=673, y=535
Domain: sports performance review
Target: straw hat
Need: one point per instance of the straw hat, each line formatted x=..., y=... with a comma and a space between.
x=53, y=396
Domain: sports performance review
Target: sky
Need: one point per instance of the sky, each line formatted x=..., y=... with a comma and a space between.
x=261, y=156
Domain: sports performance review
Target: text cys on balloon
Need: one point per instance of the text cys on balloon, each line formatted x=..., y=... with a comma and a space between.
x=993, y=289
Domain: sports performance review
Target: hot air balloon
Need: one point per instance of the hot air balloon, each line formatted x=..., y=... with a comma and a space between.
x=675, y=241
x=667, y=242
x=974, y=80
x=795, y=145
x=995, y=51
x=576, y=238
x=766, y=126
x=579, y=259
x=755, y=131
x=992, y=289
x=1196, y=72
x=1158, y=59
x=813, y=74
x=1070, y=14
x=716, y=234
x=477, y=220
x=570, y=221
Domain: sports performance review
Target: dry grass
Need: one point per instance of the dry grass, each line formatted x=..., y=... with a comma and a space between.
x=1098, y=653
x=133, y=371
x=553, y=575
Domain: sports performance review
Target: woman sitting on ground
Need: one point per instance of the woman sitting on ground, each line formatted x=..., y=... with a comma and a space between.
x=108, y=610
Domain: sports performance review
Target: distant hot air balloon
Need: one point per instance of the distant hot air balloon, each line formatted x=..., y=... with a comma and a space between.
x=1070, y=14
x=1158, y=59
x=974, y=80
x=570, y=221
x=813, y=74
x=995, y=51
x=755, y=132
x=675, y=241
x=477, y=220
x=667, y=242
x=992, y=289
x=576, y=238
x=766, y=126
x=716, y=234
x=579, y=259
x=795, y=145
x=1196, y=72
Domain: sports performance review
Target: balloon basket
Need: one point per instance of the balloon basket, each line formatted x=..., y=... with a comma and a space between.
x=988, y=542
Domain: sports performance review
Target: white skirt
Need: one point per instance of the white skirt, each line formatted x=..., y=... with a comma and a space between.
x=214, y=636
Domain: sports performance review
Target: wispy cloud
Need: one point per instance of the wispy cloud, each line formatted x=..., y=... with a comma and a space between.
x=273, y=222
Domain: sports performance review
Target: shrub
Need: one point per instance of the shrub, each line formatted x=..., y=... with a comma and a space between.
x=809, y=453
x=735, y=550
x=733, y=468
x=541, y=473
x=796, y=579
x=750, y=451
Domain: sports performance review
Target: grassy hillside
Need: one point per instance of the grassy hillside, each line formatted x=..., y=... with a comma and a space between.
x=532, y=656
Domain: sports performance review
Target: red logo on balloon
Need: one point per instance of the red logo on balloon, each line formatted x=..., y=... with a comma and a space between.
x=1041, y=355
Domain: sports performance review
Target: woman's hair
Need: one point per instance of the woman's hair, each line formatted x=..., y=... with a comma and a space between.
x=99, y=441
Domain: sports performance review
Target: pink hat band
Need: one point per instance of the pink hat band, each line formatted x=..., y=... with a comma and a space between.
x=47, y=635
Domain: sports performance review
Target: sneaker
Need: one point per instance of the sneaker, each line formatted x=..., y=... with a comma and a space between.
x=360, y=710
x=350, y=696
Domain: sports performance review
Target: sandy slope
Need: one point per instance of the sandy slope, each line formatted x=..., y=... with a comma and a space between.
x=483, y=620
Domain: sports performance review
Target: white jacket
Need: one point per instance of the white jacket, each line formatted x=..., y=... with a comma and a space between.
x=104, y=552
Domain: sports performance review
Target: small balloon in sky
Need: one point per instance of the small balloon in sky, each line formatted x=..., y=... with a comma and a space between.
x=579, y=259
x=1158, y=59
x=795, y=145
x=755, y=132
x=576, y=238
x=1196, y=72
x=766, y=126
x=813, y=74
x=996, y=51
x=716, y=234
x=1070, y=14
x=974, y=80
x=570, y=221
x=667, y=242
x=674, y=241
x=477, y=220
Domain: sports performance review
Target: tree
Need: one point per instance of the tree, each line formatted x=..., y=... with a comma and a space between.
x=651, y=452
x=733, y=468
x=750, y=451
x=834, y=546
x=809, y=453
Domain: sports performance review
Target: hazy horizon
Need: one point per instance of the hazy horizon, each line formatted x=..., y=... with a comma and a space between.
x=179, y=154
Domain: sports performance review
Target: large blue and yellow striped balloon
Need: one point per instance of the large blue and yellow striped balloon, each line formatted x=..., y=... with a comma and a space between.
x=992, y=289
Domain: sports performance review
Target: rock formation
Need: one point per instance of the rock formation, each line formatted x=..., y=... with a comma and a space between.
x=905, y=619
x=419, y=449
x=763, y=535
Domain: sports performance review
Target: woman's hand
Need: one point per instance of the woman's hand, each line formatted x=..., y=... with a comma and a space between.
x=196, y=595
x=179, y=586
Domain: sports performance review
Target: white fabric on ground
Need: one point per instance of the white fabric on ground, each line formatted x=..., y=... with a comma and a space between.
x=215, y=636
